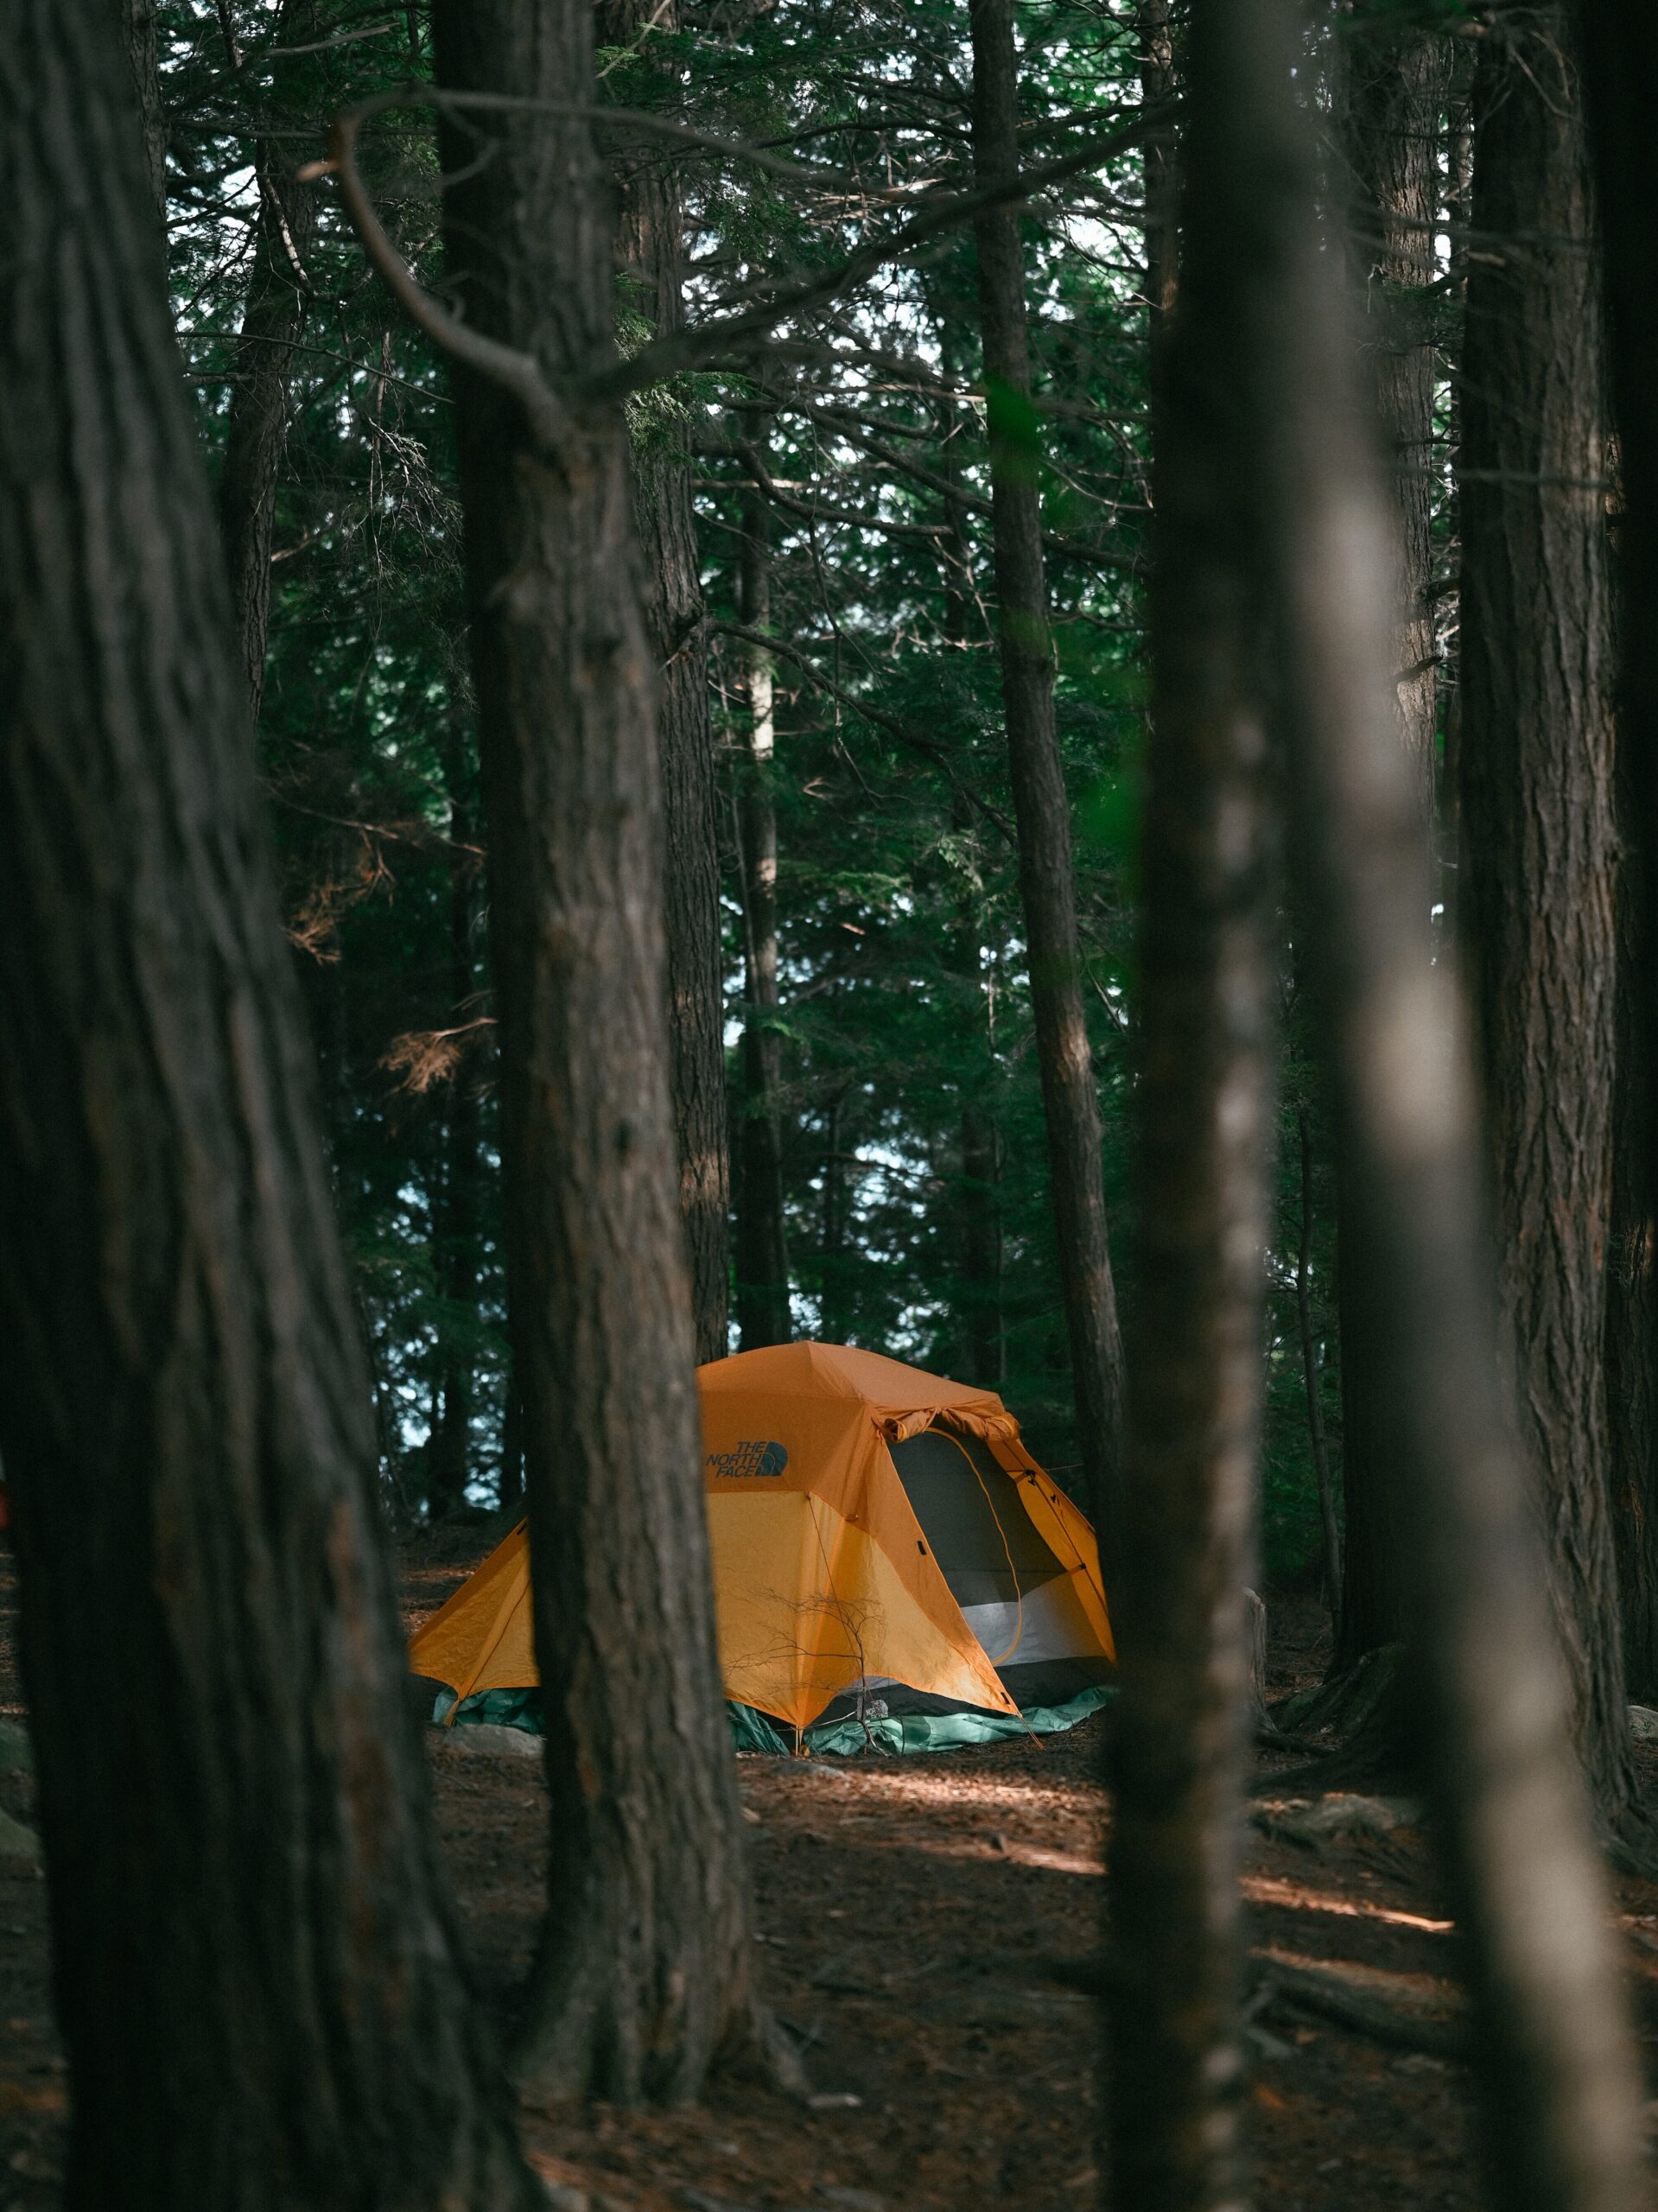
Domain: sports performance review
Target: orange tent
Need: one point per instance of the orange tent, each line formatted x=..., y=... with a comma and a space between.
x=877, y=1533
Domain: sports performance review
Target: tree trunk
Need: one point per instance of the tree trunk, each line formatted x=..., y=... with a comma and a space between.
x=1160, y=188
x=1620, y=38
x=980, y=1314
x=258, y=1974
x=981, y=1246
x=642, y=1979
x=138, y=24
x=272, y=324
x=1393, y=99
x=978, y=1187
x=1202, y=1105
x=1332, y=1541
x=1456, y=214
x=1554, y=2067
x=449, y=1457
x=834, y=1326
x=648, y=253
x=1538, y=833
x=510, y=1483
x=1047, y=892
x=763, y=1315
x=1631, y=1294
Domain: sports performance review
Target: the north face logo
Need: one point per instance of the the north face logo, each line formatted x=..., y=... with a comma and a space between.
x=748, y=1460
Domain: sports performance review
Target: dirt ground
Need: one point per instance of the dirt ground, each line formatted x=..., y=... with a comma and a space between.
x=924, y=1922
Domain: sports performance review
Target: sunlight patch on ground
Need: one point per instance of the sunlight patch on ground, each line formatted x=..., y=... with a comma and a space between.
x=983, y=1852
x=954, y=1791
x=1269, y=1888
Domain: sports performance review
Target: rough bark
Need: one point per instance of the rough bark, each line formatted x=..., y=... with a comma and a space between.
x=138, y=27
x=259, y=1975
x=1558, y=2084
x=1203, y=1098
x=1393, y=96
x=642, y=1978
x=1539, y=835
x=648, y=252
x=273, y=321
x=1047, y=890
x=1621, y=59
x=763, y=1315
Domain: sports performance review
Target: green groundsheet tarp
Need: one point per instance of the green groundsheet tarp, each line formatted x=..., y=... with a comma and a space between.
x=755, y=1732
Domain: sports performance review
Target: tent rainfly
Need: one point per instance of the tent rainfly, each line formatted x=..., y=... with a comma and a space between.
x=889, y=1562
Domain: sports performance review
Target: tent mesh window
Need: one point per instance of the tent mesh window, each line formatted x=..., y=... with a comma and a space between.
x=1015, y=1595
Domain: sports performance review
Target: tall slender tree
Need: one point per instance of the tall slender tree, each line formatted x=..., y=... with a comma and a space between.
x=981, y=1333
x=458, y=1175
x=1203, y=1109
x=1392, y=95
x=1154, y=23
x=1621, y=55
x=1047, y=889
x=979, y=1207
x=642, y=1980
x=763, y=1316
x=259, y=1975
x=1538, y=849
x=651, y=221
x=273, y=322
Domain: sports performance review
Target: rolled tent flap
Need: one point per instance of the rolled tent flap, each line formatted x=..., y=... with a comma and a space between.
x=848, y=1573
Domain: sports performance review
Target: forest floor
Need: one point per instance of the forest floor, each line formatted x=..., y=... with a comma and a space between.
x=926, y=1922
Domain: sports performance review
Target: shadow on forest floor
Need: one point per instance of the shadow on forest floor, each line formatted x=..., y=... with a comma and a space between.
x=929, y=1931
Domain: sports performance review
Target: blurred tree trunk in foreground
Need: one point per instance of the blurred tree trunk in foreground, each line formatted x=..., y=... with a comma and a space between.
x=1537, y=848
x=1393, y=98
x=1185, y=1530
x=1554, y=2066
x=649, y=256
x=1047, y=891
x=642, y=1979
x=1620, y=38
x=257, y=1971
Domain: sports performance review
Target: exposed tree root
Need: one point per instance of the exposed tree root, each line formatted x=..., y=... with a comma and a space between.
x=594, y=2030
x=1386, y=2008
x=1372, y=1708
